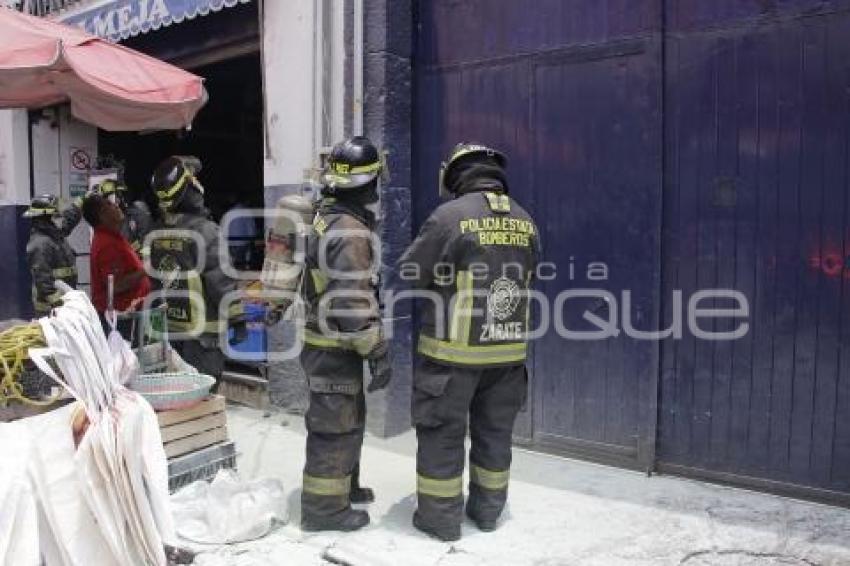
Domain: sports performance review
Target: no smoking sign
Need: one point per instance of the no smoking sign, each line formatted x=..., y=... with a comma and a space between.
x=80, y=160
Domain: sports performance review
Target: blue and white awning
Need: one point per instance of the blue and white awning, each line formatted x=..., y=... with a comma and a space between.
x=119, y=19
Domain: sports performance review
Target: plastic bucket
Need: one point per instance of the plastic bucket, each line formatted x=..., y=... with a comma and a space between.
x=253, y=348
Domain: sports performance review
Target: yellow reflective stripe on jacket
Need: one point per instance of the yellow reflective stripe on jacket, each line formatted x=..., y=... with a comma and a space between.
x=489, y=479
x=320, y=280
x=465, y=354
x=361, y=342
x=462, y=311
x=326, y=486
x=62, y=272
x=49, y=301
x=498, y=203
x=452, y=487
x=313, y=338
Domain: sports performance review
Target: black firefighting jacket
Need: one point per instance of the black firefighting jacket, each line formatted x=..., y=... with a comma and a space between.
x=175, y=254
x=341, y=279
x=51, y=257
x=475, y=257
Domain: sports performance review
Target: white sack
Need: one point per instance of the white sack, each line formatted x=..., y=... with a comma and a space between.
x=125, y=364
x=228, y=510
x=120, y=461
x=53, y=472
x=18, y=518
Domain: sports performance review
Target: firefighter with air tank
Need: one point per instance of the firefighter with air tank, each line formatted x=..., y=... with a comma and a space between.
x=343, y=328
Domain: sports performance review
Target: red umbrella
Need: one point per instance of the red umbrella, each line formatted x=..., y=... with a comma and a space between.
x=108, y=85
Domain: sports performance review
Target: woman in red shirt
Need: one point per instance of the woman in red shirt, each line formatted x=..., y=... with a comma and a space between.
x=111, y=254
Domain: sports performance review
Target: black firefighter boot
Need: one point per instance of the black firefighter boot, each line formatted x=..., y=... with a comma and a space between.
x=443, y=533
x=360, y=494
x=484, y=525
x=330, y=513
x=484, y=507
x=347, y=520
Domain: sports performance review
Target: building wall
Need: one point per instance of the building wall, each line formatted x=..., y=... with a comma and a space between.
x=62, y=150
x=14, y=197
x=312, y=69
x=387, y=119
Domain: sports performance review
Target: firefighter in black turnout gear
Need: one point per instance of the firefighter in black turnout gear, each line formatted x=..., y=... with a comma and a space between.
x=343, y=328
x=194, y=296
x=478, y=252
x=49, y=254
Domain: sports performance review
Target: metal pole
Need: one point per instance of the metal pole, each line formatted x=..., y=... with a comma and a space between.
x=357, y=68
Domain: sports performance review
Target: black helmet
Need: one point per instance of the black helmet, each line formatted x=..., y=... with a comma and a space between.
x=352, y=164
x=43, y=206
x=467, y=153
x=173, y=177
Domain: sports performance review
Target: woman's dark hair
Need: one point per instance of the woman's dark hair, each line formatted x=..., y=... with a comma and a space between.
x=92, y=206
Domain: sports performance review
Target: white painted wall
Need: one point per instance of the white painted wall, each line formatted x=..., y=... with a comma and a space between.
x=293, y=67
x=56, y=139
x=288, y=61
x=336, y=37
x=14, y=158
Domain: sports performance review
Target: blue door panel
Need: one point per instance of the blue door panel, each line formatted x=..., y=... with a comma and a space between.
x=594, y=121
x=756, y=200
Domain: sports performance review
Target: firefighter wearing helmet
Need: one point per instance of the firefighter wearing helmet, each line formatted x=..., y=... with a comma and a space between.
x=471, y=356
x=184, y=252
x=343, y=328
x=49, y=254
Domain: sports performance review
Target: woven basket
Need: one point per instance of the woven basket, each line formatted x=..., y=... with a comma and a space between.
x=172, y=391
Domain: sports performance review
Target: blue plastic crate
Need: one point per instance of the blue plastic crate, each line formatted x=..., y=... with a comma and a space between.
x=255, y=345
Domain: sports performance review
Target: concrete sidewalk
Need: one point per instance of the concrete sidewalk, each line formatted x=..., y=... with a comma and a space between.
x=560, y=512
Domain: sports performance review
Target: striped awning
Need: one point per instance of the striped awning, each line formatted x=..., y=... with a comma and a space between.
x=119, y=19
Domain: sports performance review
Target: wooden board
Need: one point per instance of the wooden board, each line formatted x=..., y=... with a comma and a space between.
x=202, y=457
x=250, y=394
x=194, y=442
x=195, y=426
x=214, y=404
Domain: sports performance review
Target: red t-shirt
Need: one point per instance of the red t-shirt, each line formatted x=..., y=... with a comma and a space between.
x=112, y=254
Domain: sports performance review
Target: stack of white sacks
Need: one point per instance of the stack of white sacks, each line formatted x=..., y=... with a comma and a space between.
x=100, y=498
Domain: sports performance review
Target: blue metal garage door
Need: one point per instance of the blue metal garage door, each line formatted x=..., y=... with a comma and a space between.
x=756, y=199
x=687, y=145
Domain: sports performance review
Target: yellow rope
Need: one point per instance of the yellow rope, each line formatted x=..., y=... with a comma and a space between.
x=14, y=350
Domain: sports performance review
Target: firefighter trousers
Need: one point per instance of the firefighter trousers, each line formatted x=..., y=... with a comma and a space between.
x=336, y=422
x=444, y=399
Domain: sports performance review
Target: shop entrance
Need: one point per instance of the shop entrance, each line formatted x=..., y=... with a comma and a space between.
x=226, y=136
